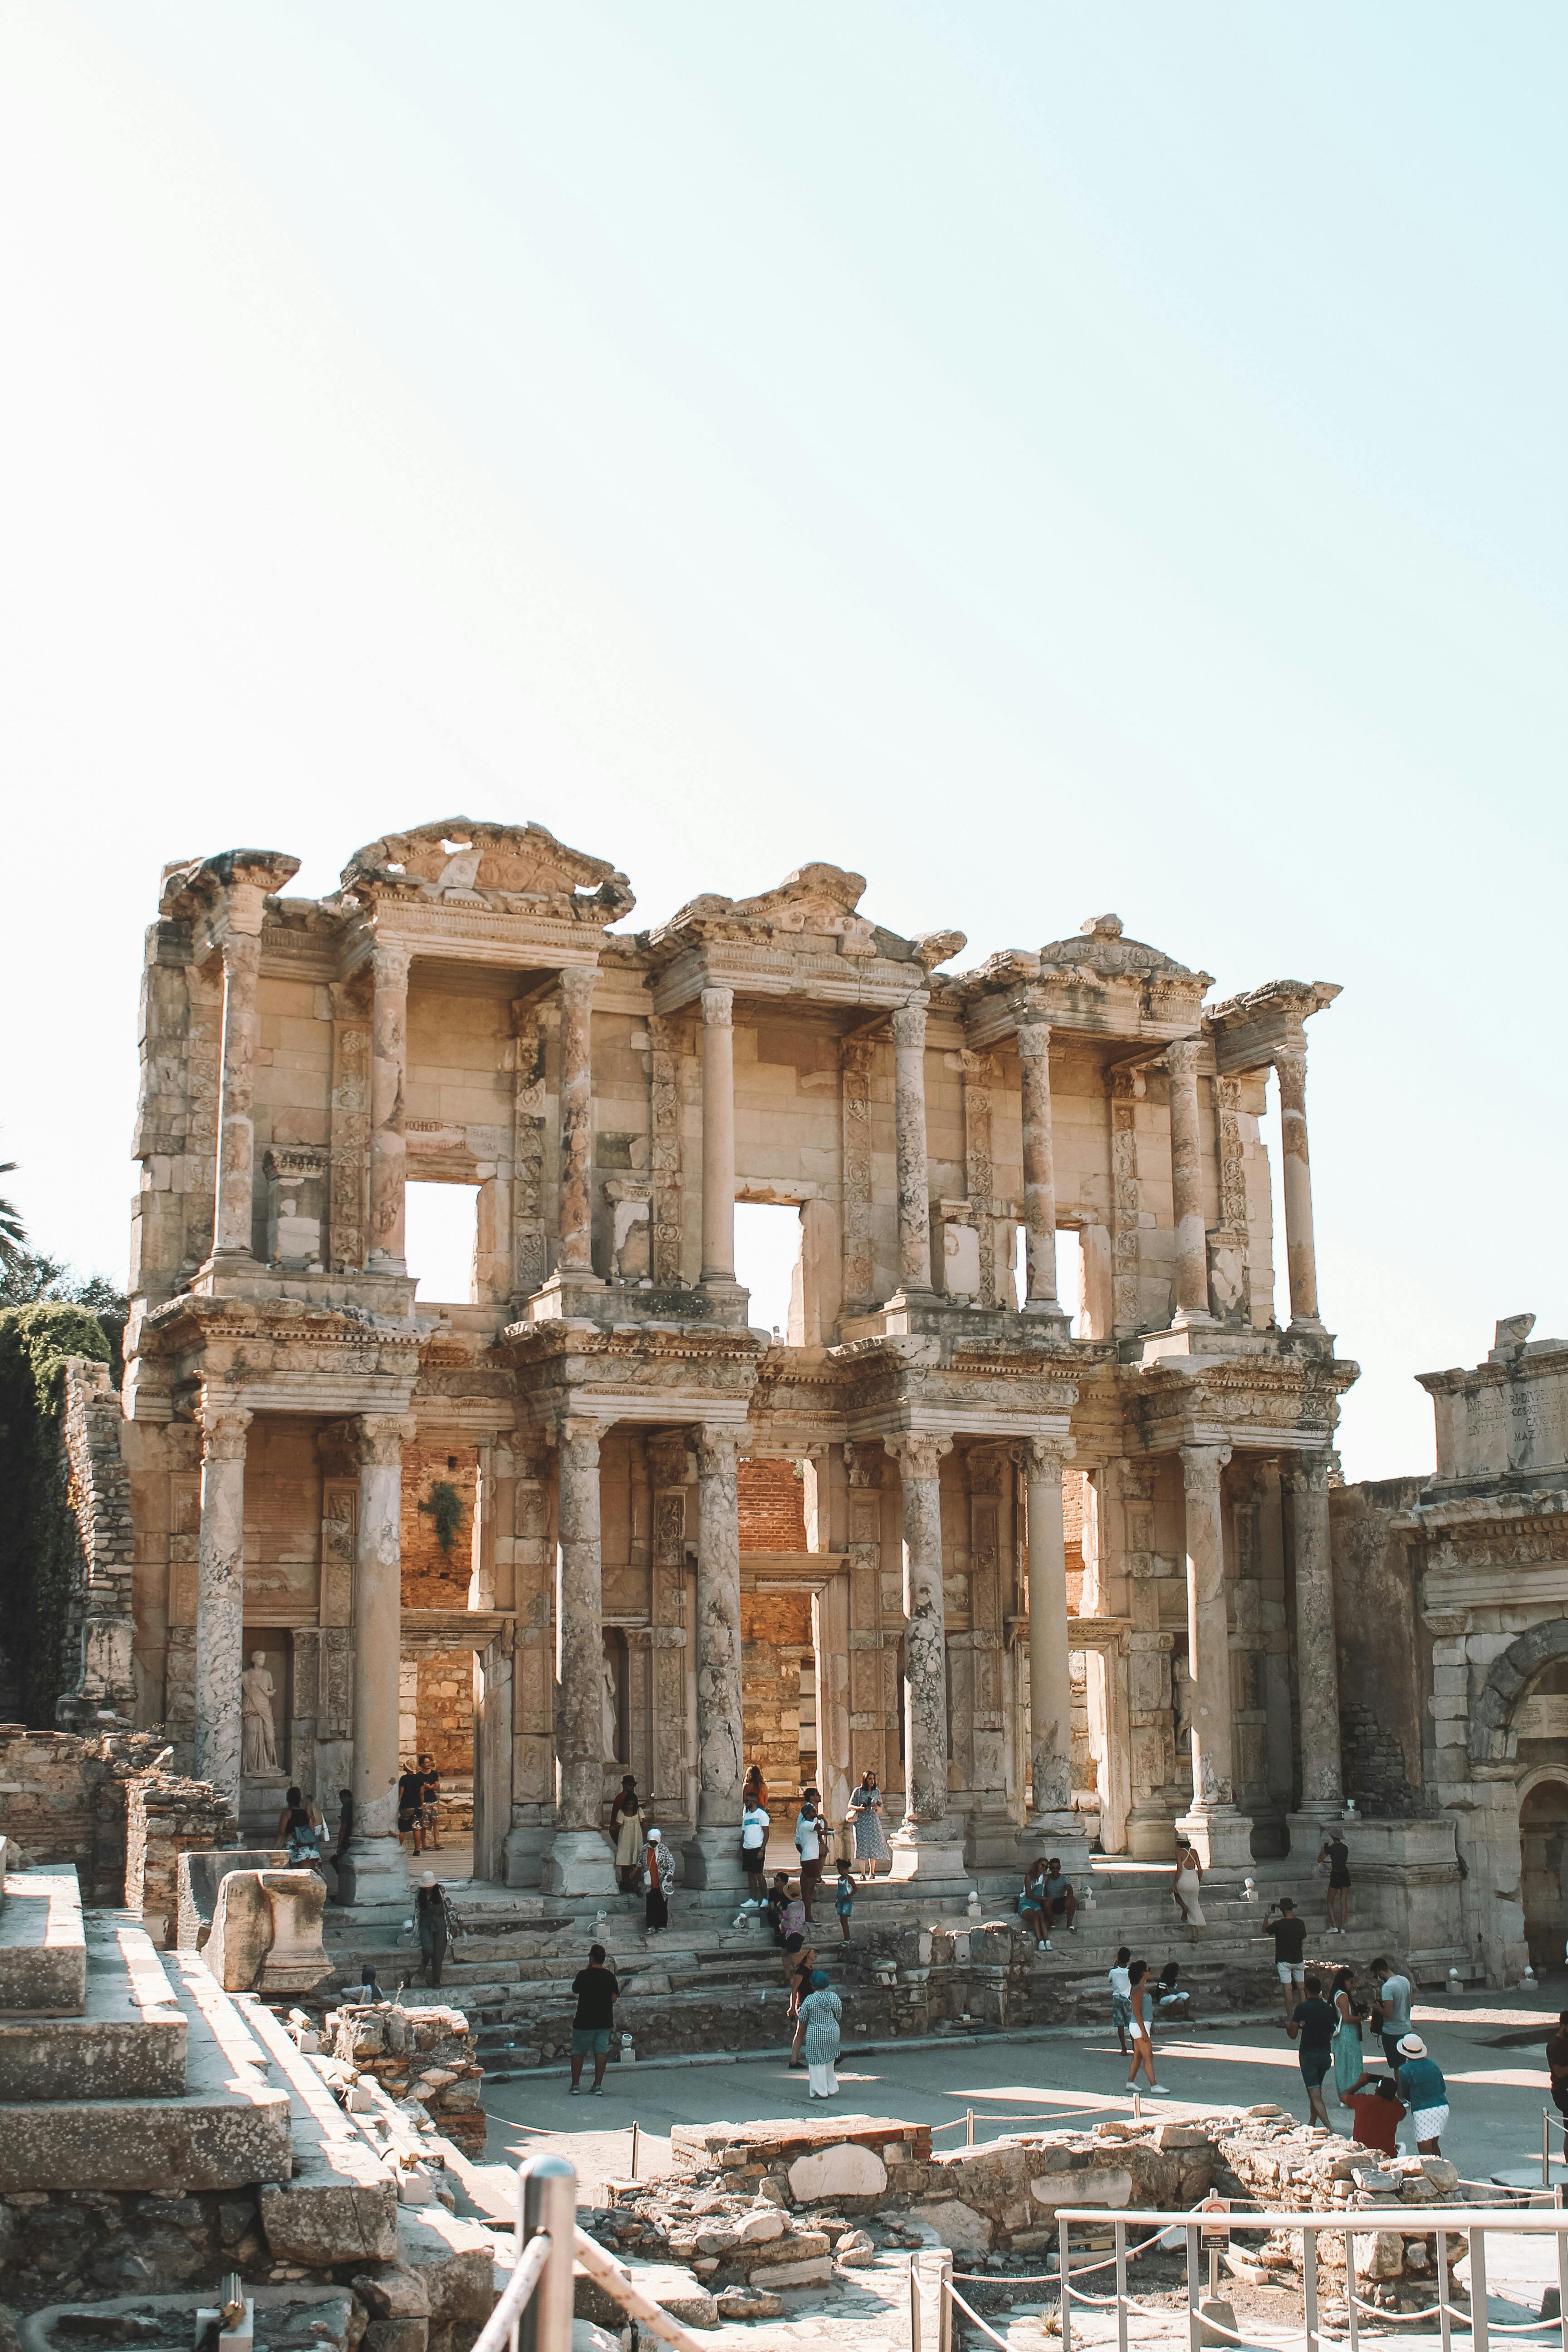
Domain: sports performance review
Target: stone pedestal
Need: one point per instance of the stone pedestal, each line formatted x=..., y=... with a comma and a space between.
x=712, y=1858
x=525, y=1858
x=1223, y=1836
x=930, y=1852
x=582, y=1862
x=1062, y=1835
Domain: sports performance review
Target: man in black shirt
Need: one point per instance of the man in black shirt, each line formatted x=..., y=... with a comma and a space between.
x=410, y=1807
x=1290, y=1936
x=1314, y=2021
x=429, y=1799
x=596, y=1993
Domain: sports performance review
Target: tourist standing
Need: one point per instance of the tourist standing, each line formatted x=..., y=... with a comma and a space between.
x=302, y=1834
x=625, y=1829
x=803, y=1966
x=1349, y=2063
x=755, y=1789
x=776, y=1903
x=1425, y=2092
x=808, y=1846
x=1290, y=1934
x=1557, y=2067
x=345, y=1825
x=1142, y=2039
x=870, y=1830
x=1186, y=1886
x=597, y=1992
x=844, y=1901
x=756, y=1824
x=1391, y=2013
x=657, y=1908
x=410, y=1807
x=1121, y=1997
x=820, y=2012
x=429, y=1800
x=1313, y=2019
x=1337, y=1854
x=432, y=1919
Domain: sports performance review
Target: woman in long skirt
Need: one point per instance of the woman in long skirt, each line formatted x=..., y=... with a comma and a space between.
x=1185, y=1887
x=657, y=1907
x=870, y=1835
x=821, y=2011
x=1349, y=2065
x=626, y=1828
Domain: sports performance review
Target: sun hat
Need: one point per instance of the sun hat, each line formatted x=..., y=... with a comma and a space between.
x=653, y=1836
x=428, y=1879
x=818, y=1980
x=1412, y=2046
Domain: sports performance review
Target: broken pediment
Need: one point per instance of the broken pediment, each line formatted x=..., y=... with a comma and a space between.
x=199, y=883
x=815, y=903
x=1101, y=951
x=514, y=869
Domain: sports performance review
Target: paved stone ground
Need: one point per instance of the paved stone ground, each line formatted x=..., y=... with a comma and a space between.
x=1495, y=2093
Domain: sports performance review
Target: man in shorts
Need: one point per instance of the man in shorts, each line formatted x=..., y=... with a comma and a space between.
x=411, y=1807
x=1061, y=1903
x=1425, y=2092
x=597, y=1991
x=1391, y=2011
x=1337, y=1854
x=1557, y=2063
x=1313, y=2019
x=429, y=1800
x=1122, y=1996
x=1290, y=1936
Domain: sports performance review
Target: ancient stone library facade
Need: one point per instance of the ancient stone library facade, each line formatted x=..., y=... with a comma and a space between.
x=1046, y=1565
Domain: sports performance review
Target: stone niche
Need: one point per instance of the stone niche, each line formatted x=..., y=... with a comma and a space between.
x=296, y=1207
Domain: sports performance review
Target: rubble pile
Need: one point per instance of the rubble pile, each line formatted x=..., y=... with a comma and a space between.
x=423, y=2059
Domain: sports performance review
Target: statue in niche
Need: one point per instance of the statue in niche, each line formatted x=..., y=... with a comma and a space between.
x=610, y=1711
x=258, y=1734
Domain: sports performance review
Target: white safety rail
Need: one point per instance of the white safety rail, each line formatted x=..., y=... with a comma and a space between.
x=533, y=2311
x=1203, y=2227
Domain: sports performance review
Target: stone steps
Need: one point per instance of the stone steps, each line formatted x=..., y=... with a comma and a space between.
x=227, y=2126
x=128, y=2041
x=43, y=1953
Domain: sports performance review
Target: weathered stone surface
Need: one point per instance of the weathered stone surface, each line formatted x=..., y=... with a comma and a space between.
x=266, y=1933
x=128, y=2042
x=851, y=2169
x=43, y=1951
x=957, y=2226
x=811, y=2271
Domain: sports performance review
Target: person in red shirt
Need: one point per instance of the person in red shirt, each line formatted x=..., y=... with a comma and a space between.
x=1377, y=2111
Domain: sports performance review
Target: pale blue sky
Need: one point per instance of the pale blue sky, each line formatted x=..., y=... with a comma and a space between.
x=1052, y=460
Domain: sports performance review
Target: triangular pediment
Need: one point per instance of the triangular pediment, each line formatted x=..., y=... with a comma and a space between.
x=515, y=868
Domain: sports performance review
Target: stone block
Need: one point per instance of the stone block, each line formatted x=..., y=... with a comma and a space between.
x=955, y=2225
x=850, y=2169
x=266, y=1933
x=748, y=2303
x=815, y=2271
x=129, y=2042
x=1103, y=2185
x=341, y=2206
x=43, y=1952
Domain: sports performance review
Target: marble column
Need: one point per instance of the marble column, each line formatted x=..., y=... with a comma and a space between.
x=583, y=1861
x=1052, y=1823
x=388, y=1071
x=1192, y=1274
x=925, y=1844
x=1039, y=1170
x=1317, y=1652
x=910, y=1138
x=720, y=1733
x=236, y=1133
x=718, y=1135
x=1221, y=1833
x=575, y=1221
x=377, y=1871
x=1300, y=1252
x=220, y=1598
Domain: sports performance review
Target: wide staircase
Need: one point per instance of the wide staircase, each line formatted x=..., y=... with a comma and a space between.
x=511, y=1971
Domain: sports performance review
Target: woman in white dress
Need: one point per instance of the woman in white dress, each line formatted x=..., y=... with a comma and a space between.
x=1185, y=1887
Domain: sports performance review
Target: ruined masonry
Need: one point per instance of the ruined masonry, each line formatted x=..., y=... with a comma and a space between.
x=338, y=1487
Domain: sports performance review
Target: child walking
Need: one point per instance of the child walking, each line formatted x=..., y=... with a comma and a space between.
x=844, y=1901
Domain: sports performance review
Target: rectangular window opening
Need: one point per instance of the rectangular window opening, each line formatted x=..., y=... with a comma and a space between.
x=441, y=1223
x=767, y=1264
x=1069, y=1272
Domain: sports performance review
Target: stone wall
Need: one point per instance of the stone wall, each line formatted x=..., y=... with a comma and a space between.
x=424, y=2060
x=99, y=1608
x=166, y=1816
x=774, y=1629
x=436, y=1576
x=1382, y=1682
x=62, y=1799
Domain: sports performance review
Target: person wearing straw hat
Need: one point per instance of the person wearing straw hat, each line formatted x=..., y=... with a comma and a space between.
x=821, y=2011
x=1425, y=2092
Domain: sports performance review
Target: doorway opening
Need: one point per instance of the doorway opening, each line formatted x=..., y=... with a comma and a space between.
x=435, y=1678
x=441, y=1230
x=768, y=1235
x=1543, y=1850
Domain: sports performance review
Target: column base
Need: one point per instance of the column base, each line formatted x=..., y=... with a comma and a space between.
x=581, y=1862
x=1307, y=1826
x=710, y=1857
x=374, y=1870
x=1051, y=1313
x=1222, y=1835
x=1193, y=1319
x=1062, y=1835
x=570, y=1295
x=727, y=1301
x=930, y=1852
x=525, y=1857
x=1152, y=1833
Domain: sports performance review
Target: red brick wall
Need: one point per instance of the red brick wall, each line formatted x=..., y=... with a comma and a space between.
x=773, y=1507
x=434, y=1579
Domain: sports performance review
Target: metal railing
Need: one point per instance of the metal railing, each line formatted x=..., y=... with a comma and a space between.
x=534, y=2310
x=1206, y=2230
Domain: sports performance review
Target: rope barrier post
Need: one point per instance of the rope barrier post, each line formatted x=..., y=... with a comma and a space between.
x=1195, y=2316
x=944, y=2301
x=1353, y=2322
x=1122, y=2287
x=547, y=2200
x=1563, y=2274
x=1480, y=2333
x=1064, y=2271
x=1309, y=2286
x=1444, y=2318
x=1545, y=2149
x=969, y=2128
x=914, y=2305
x=635, y=2137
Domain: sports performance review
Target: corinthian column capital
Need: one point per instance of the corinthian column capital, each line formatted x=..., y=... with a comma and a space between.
x=1201, y=1467
x=1308, y=1474
x=718, y=1007
x=223, y=1428
x=579, y=1435
x=718, y=1450
x=910, y=1024
x=1182, y=1058
x=1045, y=1457
x=379, y=1438
x=918, y=1453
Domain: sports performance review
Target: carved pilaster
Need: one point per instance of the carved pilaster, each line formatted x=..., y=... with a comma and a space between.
x=669, y=1211
x=855, y=1082
x=979, y=1168
x=530, y=1253
x=1127, y=1091
x=349, y=1131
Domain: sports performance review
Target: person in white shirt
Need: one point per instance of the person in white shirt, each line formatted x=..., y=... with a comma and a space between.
x=808, y=1846
x=755, y=1826
x=1122, y=1996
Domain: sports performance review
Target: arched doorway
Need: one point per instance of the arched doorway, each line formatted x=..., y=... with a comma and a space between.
x=1543, y=1850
